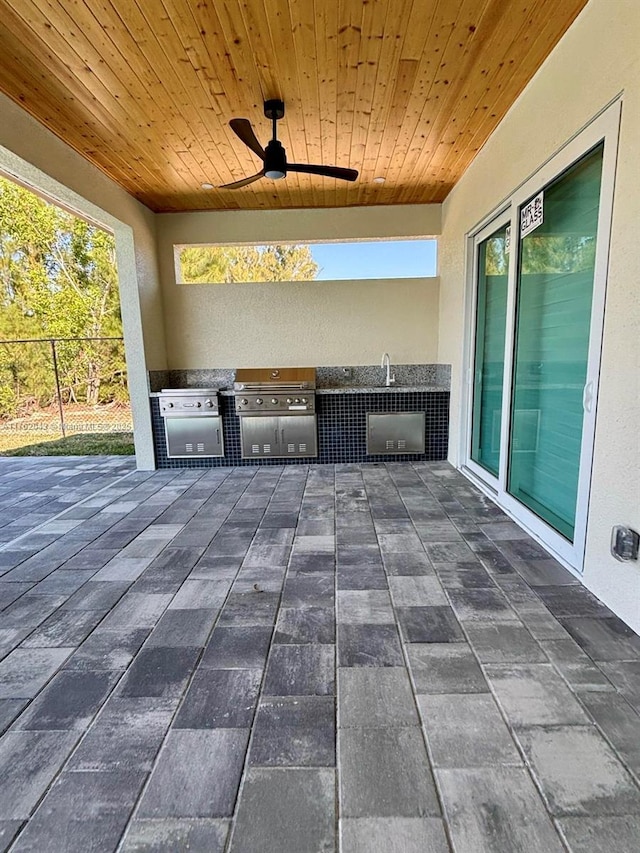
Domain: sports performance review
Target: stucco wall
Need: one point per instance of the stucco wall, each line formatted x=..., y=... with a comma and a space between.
x=596, y=60
x=316, y=323
x=37, y=158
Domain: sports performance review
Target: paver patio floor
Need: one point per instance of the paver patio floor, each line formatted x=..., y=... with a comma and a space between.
x=290, y=659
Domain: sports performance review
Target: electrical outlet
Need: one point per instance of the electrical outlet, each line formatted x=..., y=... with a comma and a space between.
x=624, y=543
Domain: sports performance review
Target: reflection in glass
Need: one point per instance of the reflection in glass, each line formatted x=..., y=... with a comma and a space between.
x=491, y=313
x=553, y=314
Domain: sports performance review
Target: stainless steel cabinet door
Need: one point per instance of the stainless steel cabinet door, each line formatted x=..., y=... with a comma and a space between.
x=395, y=433
x=187, y=437
x=279, y=437
x=298, y=436
x=259, y=437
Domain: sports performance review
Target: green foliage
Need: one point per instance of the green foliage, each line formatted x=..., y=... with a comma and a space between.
x=57, y=280
x=239, y=264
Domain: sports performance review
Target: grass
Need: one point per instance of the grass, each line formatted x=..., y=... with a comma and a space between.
x=82, y=444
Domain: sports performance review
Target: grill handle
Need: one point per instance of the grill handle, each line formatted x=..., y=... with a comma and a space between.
x=268, y=386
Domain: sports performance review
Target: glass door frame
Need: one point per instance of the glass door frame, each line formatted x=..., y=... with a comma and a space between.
x=603, y=128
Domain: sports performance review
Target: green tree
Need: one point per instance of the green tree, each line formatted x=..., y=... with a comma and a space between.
x=238, y=264
x=57, y=280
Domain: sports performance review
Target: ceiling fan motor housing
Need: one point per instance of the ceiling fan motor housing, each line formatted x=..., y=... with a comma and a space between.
x=275, y=160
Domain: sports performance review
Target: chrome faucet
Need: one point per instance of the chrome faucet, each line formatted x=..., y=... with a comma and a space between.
x=386, y=362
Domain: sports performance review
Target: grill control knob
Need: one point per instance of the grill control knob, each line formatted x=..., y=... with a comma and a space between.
x=244, y=402
x=198, y=405
x=297, y=400
x=303, y=400
x=274, y=401
x=208, y=404
x=169, y=405
x=289, y=401
x=259, y=401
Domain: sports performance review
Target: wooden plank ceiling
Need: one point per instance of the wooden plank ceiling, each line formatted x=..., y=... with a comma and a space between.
x=405, y=90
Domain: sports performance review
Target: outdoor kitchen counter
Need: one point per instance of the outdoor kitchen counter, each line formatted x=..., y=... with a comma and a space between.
x=363, y=389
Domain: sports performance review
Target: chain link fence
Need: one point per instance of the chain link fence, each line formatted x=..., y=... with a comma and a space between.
x=55, y=387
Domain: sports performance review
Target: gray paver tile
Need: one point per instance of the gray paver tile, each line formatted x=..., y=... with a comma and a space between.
x=25, y=671
x=364, y=607
x=315, y=590
x=543, y=572
x=385, y=773
x=8, y=831
x=417, y=590
x=305, y=625
x=393, y=835
x=463, y=575
x=534, y=695
x=503, y=642
x=429, y=625
x=220, y=698
x=286, y=810
x=496, y=810
x=466, y=730
x=445, y=668
x=619, y=722
x=96, y=595
x=69, y=702
x=9, y=710
x=108, y=650
x=575, y=600
x=197, y=774
x=626, y=677
x=575, y=666
x=595, y=834
x=64, y=628
x=249, y=608
x=159, y=671
x=170, y=836
x=370, y=697
x=607, y=639
x=407, y=563
x=29, y=761
x=579, y=773
x=369, y=645
x=297, y=670
x=295, y=731
x=136, y=610
x=127, y=734
x=183, y=628
x=480, y=604
x=200, y=594
x=107, y=797
x=241, y=647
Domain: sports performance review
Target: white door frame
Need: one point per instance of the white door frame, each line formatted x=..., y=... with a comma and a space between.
x=605, y=127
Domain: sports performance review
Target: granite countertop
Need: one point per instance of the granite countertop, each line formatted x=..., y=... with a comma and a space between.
x=359, y=379
x=353, y=389
x=381, y=389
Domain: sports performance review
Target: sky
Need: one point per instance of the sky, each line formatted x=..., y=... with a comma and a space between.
x=379, y=259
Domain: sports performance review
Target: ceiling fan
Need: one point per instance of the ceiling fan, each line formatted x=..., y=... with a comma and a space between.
x=274, y=155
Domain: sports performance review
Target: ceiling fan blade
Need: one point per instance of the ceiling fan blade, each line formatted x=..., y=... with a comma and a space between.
x=242, y=128
x=243, y=183
x=327, y=171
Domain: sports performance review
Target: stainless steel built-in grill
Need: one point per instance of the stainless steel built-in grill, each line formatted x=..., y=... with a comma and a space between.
x=192, y=422
x=277, y=411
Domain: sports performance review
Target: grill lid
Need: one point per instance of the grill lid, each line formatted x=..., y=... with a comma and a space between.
x=279, y=378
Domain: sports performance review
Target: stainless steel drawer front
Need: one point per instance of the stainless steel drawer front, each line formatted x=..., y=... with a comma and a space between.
x=395, y=433
x=278, y=437
x=188, y=437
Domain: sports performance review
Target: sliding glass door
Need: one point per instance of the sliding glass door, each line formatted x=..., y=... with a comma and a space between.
x=554, y=292
x=539, y=273
x=491, y=315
